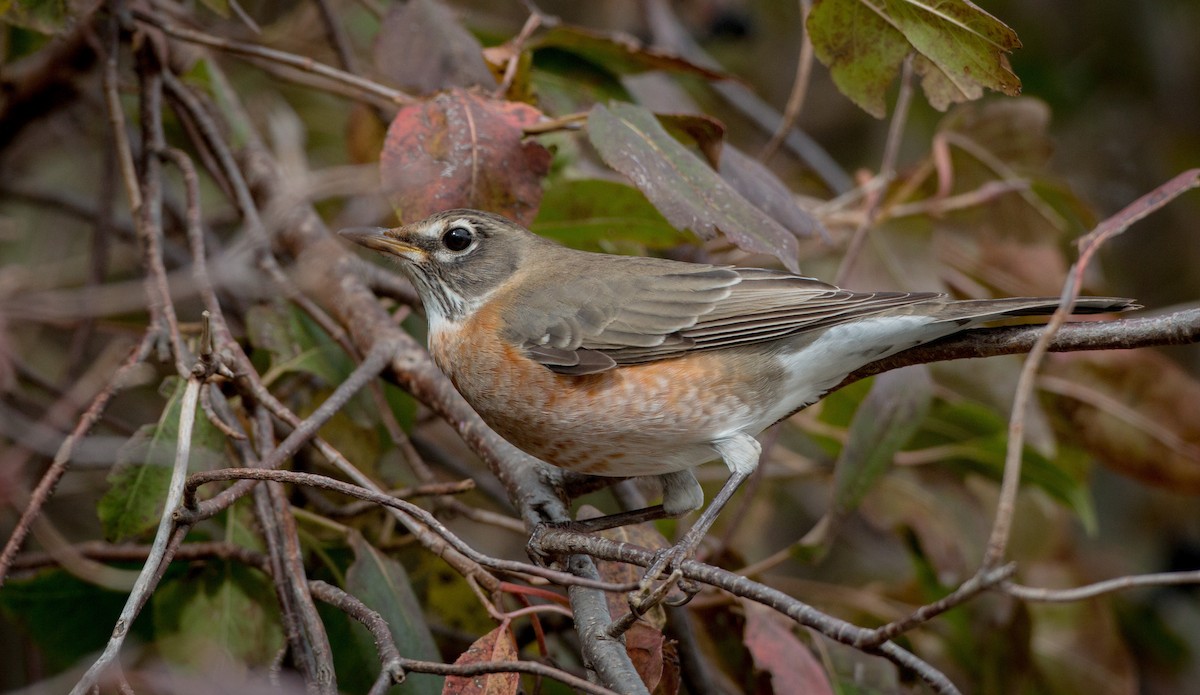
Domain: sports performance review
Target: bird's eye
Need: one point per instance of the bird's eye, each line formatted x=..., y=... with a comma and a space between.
x=457, y=238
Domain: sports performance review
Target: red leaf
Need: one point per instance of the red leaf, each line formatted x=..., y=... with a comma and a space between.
x=463, y=150
x=496, y=645
x=777, y=651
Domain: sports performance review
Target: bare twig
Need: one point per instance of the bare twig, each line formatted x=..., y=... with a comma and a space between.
x=670, y=33
x=516, y=45
x=1006, y=506
x=557, y=540
x=1178, y=328
x=116, y=117
x=291, y=60
x=193, y=511
x=795, y=102
x=390, y=658
x=307, y=640
x=1081, y=593
x=147, y=580
x=337, y=37
x=887, y=172
x=148, y=215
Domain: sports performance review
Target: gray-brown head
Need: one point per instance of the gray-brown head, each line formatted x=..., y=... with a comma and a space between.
x=454, y=258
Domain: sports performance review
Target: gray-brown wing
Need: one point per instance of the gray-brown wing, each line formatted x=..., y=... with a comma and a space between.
x=641, y=305
x=666, y=309
x=768, y=305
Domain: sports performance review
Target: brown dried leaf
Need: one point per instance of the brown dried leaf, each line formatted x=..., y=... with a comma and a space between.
x=463, y=150
x=777, y=651
x=365, y=134
x=672, y=677
x=707, y=132
x=1016, y=131
x=422, y=48
x=1135, y=410
x=496, y=645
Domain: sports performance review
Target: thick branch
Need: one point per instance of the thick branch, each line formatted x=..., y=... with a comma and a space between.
x=1177, y=328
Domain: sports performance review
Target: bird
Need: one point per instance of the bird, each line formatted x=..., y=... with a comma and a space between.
x=633, y=366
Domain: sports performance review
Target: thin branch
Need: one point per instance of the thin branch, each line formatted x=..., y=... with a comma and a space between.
x=116, y=117
x=669, y=33
x=147, y=580
x=291, y=60
x=561, y=541
x=304, y=431
x=308, y=641
x=1177, y=328
x=795, y=102
x=391, y=659
x=1010, y=483
x=887, y=172
x=516, y=46
x=1081, y=593
x=192, y=511
x=148, y=216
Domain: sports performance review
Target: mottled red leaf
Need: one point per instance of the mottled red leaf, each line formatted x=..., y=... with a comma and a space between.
x=777, y=651
x=422, y=48
x=496, y=645
x=463, y=150
x=683, y=188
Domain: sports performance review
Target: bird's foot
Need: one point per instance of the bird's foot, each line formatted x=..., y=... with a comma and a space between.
x=654, y=589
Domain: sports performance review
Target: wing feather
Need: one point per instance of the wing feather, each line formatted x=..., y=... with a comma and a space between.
x=663, y=309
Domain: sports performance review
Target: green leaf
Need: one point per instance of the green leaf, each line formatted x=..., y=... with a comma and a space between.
x=227, y=608
x=67, y=617
x=979, y=440
x=382, y=584
x=889, y=417
x=566, y=83
x=960, y=48
x=592, y=214
x=43, y=16
x=683, y=188
x=295, y=344
x=138, y=483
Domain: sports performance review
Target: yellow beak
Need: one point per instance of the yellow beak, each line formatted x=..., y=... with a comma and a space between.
x=379, y=239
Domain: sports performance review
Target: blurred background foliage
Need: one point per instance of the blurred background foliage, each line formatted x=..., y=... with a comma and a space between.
x=1110, y=107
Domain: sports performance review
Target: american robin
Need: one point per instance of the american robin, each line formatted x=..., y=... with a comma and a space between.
x=625, y=366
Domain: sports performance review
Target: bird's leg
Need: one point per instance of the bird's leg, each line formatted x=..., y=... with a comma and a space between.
x=681, y=494
x=741, y=453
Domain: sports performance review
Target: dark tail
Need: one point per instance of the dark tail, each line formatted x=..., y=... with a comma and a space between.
x=985, y=309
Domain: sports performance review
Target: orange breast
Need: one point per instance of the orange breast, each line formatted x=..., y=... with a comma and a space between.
x=634, y=420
